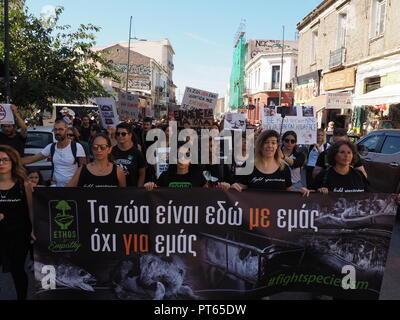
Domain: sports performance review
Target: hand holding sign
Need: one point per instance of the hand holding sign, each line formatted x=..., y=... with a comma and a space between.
x=6, y=114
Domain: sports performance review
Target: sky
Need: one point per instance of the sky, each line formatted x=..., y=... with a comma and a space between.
x=201, y=32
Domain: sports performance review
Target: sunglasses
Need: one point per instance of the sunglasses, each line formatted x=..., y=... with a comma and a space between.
x=124, y=134
x=101, y=147
x=290, y=141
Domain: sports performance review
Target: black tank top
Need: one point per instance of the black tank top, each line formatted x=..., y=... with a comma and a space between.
x=89, y=180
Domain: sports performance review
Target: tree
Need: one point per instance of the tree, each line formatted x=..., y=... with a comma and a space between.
x=63, y=220
x=51, y=63
x=63, y=206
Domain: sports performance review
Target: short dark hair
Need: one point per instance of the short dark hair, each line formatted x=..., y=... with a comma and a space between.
x=125, y=125
x=95, y=127
x=339, y=132
x=147, y=119
x=61, y=120
x=334, y=150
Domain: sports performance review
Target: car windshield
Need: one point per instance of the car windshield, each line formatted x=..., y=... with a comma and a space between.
x=38, y=139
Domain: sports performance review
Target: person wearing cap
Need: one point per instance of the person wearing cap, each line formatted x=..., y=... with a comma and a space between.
x=339, y=134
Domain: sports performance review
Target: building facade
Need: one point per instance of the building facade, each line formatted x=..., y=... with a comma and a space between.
x=348, y=64
x=267, y=63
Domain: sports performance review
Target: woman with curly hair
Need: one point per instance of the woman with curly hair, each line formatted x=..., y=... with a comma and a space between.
x=15, y=218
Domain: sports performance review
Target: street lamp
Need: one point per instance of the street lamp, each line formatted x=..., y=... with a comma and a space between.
x=129, y=52
x=280, y=86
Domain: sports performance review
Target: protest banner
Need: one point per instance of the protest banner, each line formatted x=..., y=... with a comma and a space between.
x=300, y=119
x=6, y=114
x=128, y=105
x=235, y=121
x=198, y=99
x=132, y=244
x=108, y=112
x=194, y=118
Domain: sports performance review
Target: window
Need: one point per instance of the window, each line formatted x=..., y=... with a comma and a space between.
x=391, y=145
x=372, y=84
x=372, y=143
x=341, y=40
x=378, y=17
x=314, y=46
x=276, y=76
x=38, y=139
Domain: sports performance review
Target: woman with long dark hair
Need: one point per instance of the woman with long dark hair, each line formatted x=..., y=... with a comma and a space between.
x=293, y=158
x=101, y=172
x=15, y=218
x=341, y=175
x=270, y=171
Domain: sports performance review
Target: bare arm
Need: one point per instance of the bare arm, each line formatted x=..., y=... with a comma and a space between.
x=121, y=177
x=82, y=161
x=142, y=175
x=75, y=179
x=35, y=158
x=28, y=192
x=20, y=122
x=362, y=169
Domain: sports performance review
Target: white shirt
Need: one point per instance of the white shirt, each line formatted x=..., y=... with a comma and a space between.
x=64, y=166
x=313, y=155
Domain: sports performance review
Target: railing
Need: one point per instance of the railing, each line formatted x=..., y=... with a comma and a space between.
x=336, y=58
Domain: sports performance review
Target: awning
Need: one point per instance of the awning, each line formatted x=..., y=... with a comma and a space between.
x=386, y=95
x=318, y=102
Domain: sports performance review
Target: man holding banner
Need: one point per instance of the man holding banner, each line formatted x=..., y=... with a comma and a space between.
x=9, y=135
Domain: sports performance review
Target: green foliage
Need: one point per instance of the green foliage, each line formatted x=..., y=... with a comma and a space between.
x=52, y=63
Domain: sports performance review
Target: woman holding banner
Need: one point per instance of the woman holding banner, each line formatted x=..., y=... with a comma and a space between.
x=270, y=171
x=341, y=176
x=15, y=218
x=102, y=172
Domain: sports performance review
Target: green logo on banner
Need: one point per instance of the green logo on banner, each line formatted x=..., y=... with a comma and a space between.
x=64, y=233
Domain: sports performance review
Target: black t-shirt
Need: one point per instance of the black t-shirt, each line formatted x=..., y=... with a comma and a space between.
x=89, y=180
x=18, y=142
x=131, y=161
x=322, y=161
x=171, y=179
x=354, y=181
x=279, y=180
x=85, y=133
x=214, y=173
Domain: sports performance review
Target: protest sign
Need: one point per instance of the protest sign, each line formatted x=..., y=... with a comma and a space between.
x=194, y=118
x=197, y=243
x=300, y=119
x=128, y=105
x=235, y=121
x=108, y=112
x=162, y=156
x=6, y=114
x=198, y=99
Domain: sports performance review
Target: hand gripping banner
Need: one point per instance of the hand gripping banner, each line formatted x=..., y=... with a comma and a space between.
x=169, y=244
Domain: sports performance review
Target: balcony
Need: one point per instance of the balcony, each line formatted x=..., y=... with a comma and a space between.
x=336, y=58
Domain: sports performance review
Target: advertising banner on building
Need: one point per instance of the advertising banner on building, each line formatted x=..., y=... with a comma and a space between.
x=306, y=88
x=300, y=119
x=169, y=244
x=107, y=112
x=6, y=114
x=198, y=99
x=128, y=105
x=339, y=100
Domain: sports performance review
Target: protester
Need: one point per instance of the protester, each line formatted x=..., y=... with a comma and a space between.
x=102, y=172
x=270, y=171
x=147, y=126
x=94, y=131
x=313, y=152
x=15, y=218
x=9, y=135
x=36, y=178
x=74, y=135
x=339, y=134
x=127, y=156
x=341, y=176
x=293, y=158
x=85, y=128
x=180, y=175
x=66, y=155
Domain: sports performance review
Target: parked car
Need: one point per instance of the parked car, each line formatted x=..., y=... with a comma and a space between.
x=380, y=153
x=38, y=138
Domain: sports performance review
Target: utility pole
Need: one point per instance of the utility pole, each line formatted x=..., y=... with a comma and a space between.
x=129, y=53
x=7, y=52
x=281, y=75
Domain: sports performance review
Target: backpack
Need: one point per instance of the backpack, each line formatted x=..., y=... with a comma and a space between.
x=53, y=150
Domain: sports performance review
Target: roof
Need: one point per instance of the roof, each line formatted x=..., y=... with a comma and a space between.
x=325, y=4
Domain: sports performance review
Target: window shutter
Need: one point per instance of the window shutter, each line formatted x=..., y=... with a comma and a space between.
x=382, y=12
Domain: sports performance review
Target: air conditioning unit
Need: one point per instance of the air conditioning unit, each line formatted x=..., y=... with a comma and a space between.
x=288, y=86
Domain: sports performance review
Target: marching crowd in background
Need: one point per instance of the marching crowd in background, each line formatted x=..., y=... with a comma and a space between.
x=85, y=155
